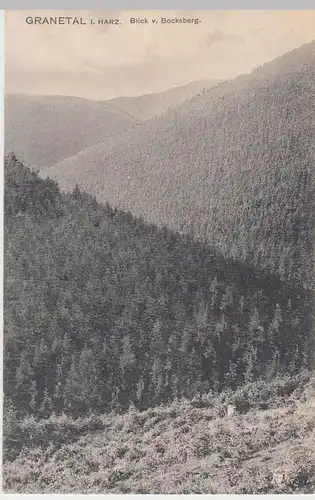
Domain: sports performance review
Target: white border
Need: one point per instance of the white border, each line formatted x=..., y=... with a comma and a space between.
x=1, y=213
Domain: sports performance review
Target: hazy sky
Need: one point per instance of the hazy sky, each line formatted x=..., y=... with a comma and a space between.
x=101, y=62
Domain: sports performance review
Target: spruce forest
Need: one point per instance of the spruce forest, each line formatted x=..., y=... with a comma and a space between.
x=103, y=310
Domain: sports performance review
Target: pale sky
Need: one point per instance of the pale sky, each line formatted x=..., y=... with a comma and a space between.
x=102, y=62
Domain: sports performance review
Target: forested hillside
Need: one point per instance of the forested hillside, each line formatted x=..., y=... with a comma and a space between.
x=103, y=310
x=233, y=166
x=43, y=130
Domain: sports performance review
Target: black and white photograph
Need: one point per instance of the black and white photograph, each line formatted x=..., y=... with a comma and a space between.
x=159, y=252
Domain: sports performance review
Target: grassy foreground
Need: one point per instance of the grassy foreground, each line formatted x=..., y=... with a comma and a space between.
x=260, y=439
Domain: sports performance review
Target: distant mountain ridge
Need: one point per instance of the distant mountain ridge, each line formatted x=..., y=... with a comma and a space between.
x=147, y=106
x=45, y=129
x=234, y=166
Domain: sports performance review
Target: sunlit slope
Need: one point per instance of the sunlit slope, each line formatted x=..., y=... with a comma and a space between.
x=234, y=165
x=186, y=447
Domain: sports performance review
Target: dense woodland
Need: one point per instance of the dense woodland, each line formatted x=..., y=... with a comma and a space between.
x=103, y=310
x=233, y=166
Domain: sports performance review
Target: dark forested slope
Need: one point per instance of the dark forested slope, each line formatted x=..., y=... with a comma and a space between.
x=102, y=310
x=234, y=166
